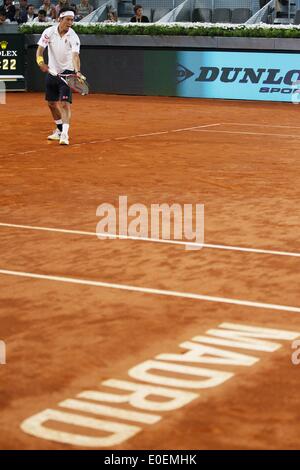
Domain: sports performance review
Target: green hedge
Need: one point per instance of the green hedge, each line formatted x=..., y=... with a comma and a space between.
x=178, y=30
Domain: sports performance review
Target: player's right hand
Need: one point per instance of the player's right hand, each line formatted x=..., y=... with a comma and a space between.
x=80, y=76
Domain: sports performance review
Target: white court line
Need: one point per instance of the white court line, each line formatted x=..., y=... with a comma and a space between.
x=128, y=137
x=297, y=136
x=164, y=132
x=258, y=125
x=141, y=135
x=152, y=240
x=195, y=127
x=147, y=290
x=149, y=134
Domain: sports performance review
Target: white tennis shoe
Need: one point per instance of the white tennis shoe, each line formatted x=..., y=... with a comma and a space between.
x=55, y=136
x=64, y=139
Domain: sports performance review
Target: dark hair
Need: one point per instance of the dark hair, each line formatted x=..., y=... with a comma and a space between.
x=42, y=12
x=30, y=5
x=63, y=9
x=137, y=7
x=2, y=12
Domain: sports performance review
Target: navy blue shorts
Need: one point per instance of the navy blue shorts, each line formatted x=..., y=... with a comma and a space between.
x=56, y=89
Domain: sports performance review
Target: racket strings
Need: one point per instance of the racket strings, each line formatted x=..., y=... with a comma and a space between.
x=78, y=85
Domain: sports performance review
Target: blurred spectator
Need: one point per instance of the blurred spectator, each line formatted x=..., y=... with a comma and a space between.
x=74, y=7
x=112, y=16
x=30, y=13
x=61, y=4
x=41, y=17
x=281, y=6
x=84, y=8
x=21, y=13
x=3, y=19
x=9, y=9
x=138, y=17
x=49, y=9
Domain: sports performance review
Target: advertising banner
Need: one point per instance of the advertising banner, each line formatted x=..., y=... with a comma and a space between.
x=220, y=74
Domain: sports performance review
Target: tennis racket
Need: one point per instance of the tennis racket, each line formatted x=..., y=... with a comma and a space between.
x=79, y=85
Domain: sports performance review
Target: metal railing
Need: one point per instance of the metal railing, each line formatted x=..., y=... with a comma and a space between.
x=262, y=15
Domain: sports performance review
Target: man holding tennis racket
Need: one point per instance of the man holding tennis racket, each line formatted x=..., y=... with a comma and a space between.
x=63, y=52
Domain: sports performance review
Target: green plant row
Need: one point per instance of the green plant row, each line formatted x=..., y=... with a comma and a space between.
x=178, y=30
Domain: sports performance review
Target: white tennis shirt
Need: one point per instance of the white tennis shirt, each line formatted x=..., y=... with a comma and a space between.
x=60, y=49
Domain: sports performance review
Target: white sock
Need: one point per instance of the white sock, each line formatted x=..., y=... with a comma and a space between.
x=66, y=128
x=58, y=121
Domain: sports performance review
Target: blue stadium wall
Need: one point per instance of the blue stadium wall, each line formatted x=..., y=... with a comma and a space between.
x=230, y=68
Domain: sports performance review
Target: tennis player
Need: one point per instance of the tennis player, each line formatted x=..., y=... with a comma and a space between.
x=63, y=52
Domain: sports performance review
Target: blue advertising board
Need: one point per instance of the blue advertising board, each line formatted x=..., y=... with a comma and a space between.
x=238, y=75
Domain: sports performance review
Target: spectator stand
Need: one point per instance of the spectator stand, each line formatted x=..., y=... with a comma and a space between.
x=278, y=12
x=168, y=11
x=100, y=13
x=154, y=10
x=208, y=11
x=216, y=11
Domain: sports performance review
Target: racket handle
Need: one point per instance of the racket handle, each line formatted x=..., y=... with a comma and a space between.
x=80, y=76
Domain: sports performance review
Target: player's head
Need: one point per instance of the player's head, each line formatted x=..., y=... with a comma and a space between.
x=66, y=17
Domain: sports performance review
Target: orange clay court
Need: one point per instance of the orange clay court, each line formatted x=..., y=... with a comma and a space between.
x=71, y=316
